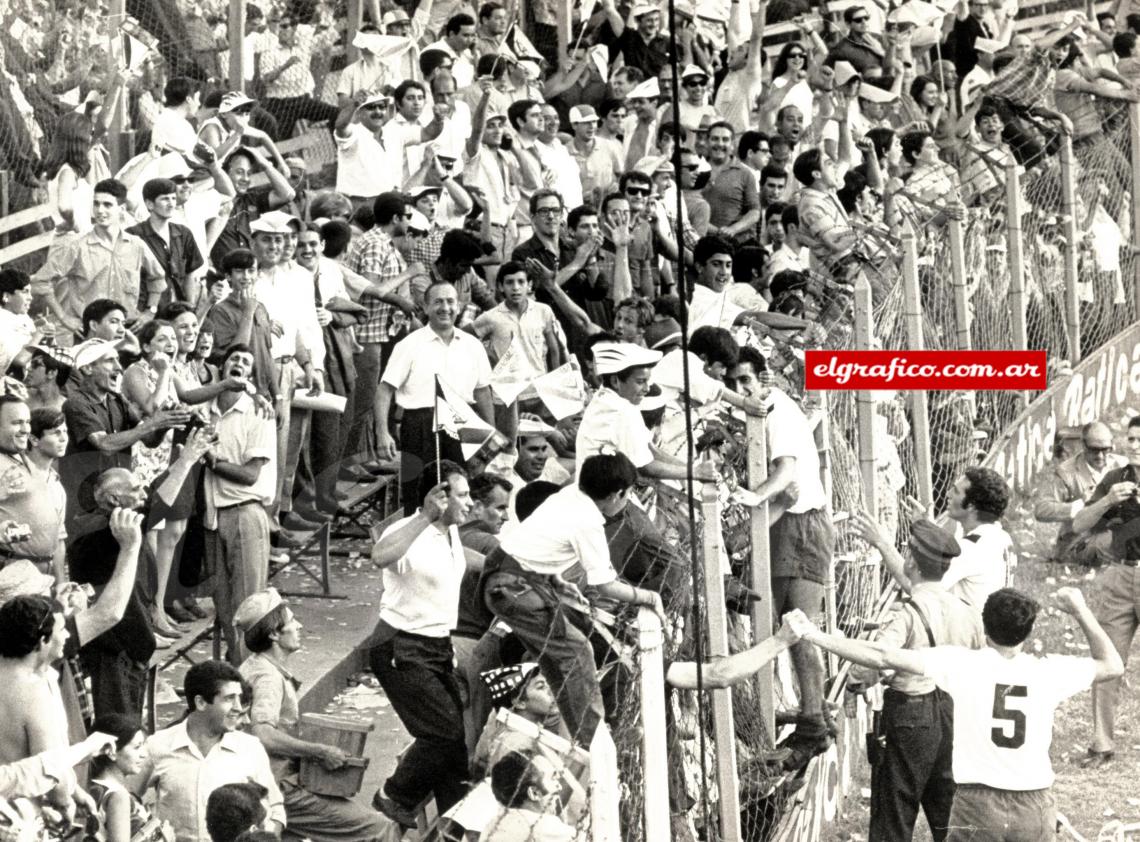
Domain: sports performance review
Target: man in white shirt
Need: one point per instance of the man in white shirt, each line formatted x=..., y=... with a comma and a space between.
x=172, y=131
x=410, y=649
x=437, y=352
x=1004, y=703
x=801, y=538
x=403, y=135
x=458, y=41
x=187, y=761
x=976, y=503
x=523, y=584
x=364, y=167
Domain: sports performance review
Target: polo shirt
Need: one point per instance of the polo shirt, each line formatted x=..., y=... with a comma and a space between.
x=568, y=528
x=363, y=165
x=491, y=171
x=598, y=166
x=242, y=435
x=422, y=355
x=224, y=319
x=732, y=193
x=610, y=423
x=183, y=777
x=421, y=590
x=34, y=505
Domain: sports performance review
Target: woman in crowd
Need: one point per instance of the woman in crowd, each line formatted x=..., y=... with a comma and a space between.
x=122, y=814
x=72, y=167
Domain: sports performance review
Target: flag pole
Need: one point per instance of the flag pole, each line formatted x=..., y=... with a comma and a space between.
x=435, y=429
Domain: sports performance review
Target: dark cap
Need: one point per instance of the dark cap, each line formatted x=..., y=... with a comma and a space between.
x=662, y=334
x=932, y=546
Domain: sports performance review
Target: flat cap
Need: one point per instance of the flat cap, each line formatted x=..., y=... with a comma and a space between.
x=930, y=543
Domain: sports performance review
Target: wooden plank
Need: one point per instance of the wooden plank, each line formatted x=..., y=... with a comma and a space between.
x=28, y=216
x=761, y=570
x=25, y=247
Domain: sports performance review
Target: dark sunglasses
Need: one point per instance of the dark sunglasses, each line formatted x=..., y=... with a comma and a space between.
x=797, y=55
x=694, y=83
x=638, y=191
x=863, y=19
x=1098, y=449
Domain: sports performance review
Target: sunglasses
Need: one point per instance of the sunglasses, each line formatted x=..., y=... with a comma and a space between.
x=796, y=55
x=638, y=191
x=378, y=106
x=694, y=83
x=547, y=211
x=1098, y=449
x=863, y=19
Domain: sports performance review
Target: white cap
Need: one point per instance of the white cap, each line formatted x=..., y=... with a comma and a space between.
x=418, y=222
x=93, y=351
x=172, y=165
x=531, y=425
x=267, y=224
x=281, y=218
x=649, y=89
x=845, y=72
x=233, y=101
x=871, y=93
x=612, y=357
x=255, y=607
x=693, y=70
x=583, y=114
x=640, y=9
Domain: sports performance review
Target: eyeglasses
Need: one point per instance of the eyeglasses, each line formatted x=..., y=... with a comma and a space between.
x=863, y=19
x=1090, y=449
x=378, y=106
x=796, y=55
x=547, y=211
x=638, y=191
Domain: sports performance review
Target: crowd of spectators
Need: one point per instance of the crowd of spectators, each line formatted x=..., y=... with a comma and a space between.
x=482, y=298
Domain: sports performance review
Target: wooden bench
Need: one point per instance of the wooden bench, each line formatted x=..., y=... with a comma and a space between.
x=38, y=215
x=311, y=559
x=381, y=496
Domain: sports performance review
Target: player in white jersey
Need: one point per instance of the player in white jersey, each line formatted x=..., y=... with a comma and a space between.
x=1004, y=701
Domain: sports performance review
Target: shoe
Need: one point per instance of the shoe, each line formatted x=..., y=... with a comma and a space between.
x=295, y=523
x=191, y=605
x=284, y=541
x=313, y=516
x=1094, y=759
x=179, y=614
x=804, y=746
x=161, y=642
x=400, y=815
x=355, y=473
x=379, y=469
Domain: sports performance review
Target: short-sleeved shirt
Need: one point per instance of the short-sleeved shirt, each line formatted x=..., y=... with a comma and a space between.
x=669, y=375
x=1003, y=711
x=790, y=434
x=597, y=166
x=731, y=194
x=223, y=321
x=85, y=414
x=275, y=704
x=183, y=778
x=1079, y=106
x=243, y=435
x=611, y=423
x=713, y=309
x=421, y=590
x=821, y=213
x=35, y=506
x=376, y=257
x=178, y=255
x=568, y=528
x=501, y=325
x=423, y=355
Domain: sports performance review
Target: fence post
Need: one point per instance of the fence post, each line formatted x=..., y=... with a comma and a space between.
x=919, y=405
x=655, y=761
x=761, y=580
x=1069, y=214
x=235, y=31
x=865, y=408
x=823, y=444
x=1016, y=260
x=724, y=731
x=355, y=17
x=958, y=282
x=1134, y=135
x=5, y=201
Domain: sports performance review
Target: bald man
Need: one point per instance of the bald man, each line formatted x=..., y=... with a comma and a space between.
x=1069, y=485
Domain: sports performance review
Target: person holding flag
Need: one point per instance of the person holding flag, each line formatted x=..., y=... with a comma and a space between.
x=436, y=351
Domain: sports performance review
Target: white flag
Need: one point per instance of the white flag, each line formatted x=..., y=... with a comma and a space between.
x=510, y=377
x=562, y=390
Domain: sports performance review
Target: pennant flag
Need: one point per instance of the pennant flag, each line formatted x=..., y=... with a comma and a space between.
x=70, y=97
x=600, y=56
x=521, y=45
x=134, y=52
x=383, y=46
x=510, y=376
x=562, y=390
x=454, y=417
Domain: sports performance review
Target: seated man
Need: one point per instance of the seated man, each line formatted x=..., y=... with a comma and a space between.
x=526, y=788
x=186, y=762
x=272, y=634
x=235, y=809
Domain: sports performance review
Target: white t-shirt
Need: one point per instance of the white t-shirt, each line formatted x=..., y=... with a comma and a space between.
x=670, y=376
x=714, y=309
x=172, y=131
x=790, y=434
x=566, y=529
x=421, y=590
x=982, y=566
x=1003, y=711
x=611, y=423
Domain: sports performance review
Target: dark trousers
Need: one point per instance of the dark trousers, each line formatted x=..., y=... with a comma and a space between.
x=418, y=678
x=418, y=449
x=369, y=362
x=563, y=651
x=1028, y=138
x=288, y=110
x=118, y=684
x=914, y=767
